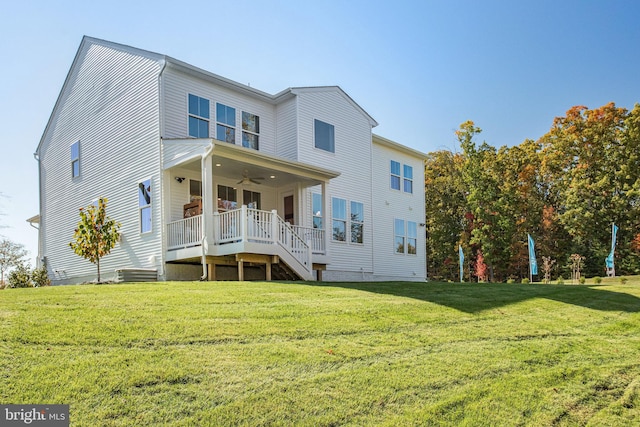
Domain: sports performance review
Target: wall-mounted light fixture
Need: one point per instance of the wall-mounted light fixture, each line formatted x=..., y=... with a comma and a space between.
x=180, y=179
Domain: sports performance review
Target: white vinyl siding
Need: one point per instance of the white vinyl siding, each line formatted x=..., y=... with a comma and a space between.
x=287, y=131
x=95, y=107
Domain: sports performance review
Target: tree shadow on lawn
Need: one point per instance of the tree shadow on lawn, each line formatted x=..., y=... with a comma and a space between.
x=476, y=297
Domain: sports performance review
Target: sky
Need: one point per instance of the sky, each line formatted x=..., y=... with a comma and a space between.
x=419, y=68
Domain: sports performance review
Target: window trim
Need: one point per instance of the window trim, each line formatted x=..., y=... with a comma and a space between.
x=332, y=142
x=75, y=160
x=353, y=222
x=199, y=118
x=406, y=237
x=406, y=180
x=398, y=176
x=148, y=206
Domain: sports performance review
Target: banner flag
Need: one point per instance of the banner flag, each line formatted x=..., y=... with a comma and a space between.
x=533, y=264
x=609, y=259
x=461, y=256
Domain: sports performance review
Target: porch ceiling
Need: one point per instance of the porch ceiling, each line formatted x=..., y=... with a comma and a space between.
x=234, y=162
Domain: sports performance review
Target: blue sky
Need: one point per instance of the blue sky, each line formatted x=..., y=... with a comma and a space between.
x=420, y=68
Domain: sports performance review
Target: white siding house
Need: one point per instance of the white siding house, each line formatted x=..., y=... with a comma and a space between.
x=215, y=180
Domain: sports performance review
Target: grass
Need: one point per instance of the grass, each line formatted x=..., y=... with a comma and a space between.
x=256, y=353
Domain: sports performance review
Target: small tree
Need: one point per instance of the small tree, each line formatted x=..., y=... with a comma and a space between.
x=11, y=255
x=481, y=267
x=20, y=277
x=96, y=234
x=576, y=264
x=547, y=264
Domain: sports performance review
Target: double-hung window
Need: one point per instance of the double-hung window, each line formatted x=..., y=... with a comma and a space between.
x=357, y=222
x=339, y=214
x=405, y=237
x=198, y=117
x=408, y=179
x=250, y=130
x=251, y=199
x=144, y=205
x=75, y=159
x=226, y=123
x=324, y=136
x=227, y=198
x=395, y=175
x=316, y=206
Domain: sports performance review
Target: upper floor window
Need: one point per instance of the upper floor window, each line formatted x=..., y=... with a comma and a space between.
x=401, y=177
x=198, y=117
x=75, y=159
x=408, y=179
x=226, y=123
x=357, y=222
x=339, y=214
x=395, y=175
x=250, y=130
x=316, y=207
x=324, y=136
x=144, y=205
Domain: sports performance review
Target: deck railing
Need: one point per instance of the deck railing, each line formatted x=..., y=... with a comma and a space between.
x=248, y=225
x=184, y=233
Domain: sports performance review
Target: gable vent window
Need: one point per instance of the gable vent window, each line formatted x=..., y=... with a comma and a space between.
x=324, y=136
x=198, y=117
x=226, y=123
x=75, y=159
x=250, y=130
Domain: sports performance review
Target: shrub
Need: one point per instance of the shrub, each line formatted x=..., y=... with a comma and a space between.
x=623, y=280
x=560, y=281
x=525, y=281
x=510, y=281
x=582, y=280
x=40, y=277
x=597, y=280
x=20, y=277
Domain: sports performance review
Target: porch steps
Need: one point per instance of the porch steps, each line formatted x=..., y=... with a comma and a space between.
x=282, y=271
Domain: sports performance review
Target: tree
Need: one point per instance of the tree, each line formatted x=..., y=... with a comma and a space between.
x=96, y=234
x=11, y=255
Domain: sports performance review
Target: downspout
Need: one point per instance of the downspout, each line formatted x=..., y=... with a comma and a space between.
x=36, y=156
x=205, y=202
x=163, y=250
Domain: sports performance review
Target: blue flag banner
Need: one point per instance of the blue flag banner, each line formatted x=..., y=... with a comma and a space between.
x=461, y=256
x=533, y=264
x=609, y=259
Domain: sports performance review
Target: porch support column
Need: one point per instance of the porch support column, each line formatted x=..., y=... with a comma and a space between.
x=325, y=218
x=206, y=168
x=240, y=270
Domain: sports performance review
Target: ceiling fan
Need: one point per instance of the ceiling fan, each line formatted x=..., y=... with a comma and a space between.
x=246, y=180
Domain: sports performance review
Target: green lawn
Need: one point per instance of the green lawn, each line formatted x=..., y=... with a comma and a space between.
x=256, y=353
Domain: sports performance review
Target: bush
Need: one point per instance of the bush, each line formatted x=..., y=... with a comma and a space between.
x=510, y=281
x=525, y=281
x=560, y=281
x=623, y=280
x=582, y=280
x=20, y=277
x=597, y=280
x=40, y=277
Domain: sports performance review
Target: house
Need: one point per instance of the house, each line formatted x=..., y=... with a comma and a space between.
x=212, y=179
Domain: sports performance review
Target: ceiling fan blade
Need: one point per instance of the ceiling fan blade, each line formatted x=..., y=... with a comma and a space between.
x=254, y=181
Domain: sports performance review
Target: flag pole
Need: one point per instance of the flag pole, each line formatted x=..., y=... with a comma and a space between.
x=529, y=256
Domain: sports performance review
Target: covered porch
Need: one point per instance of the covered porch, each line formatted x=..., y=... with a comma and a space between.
x=226, y=205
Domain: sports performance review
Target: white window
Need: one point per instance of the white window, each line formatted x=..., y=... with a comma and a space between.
x=198, y=117
x=144, y=205
x=339, y=225
x=227, y=198
x=75, y=159
x=408, y=179
x=405, y=237
x=357, y=222
x=324, y=136
x=226, y=123
x=316, y=207
x=395, y=175
x=250, y=130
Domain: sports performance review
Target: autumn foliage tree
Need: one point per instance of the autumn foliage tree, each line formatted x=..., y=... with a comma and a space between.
x=96, y=233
